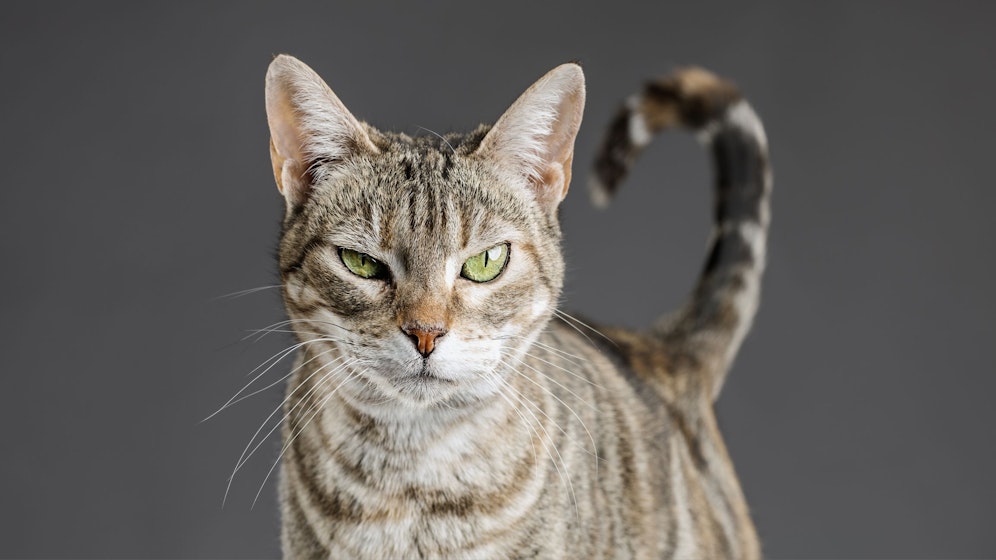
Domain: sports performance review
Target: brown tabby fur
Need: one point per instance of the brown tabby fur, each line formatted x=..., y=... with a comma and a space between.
x=524, y=434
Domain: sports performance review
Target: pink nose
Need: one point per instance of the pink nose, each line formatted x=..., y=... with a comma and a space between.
x=424, y=336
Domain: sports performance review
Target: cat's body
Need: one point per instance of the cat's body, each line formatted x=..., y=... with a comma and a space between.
x=438, y=407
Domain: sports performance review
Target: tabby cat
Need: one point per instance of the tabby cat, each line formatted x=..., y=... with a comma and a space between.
x=441, y=406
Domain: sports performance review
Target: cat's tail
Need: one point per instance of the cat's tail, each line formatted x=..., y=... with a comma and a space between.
x=706, y=334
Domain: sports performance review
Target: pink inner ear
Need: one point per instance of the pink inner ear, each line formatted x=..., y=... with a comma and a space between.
x=287, y=153
x=546, y=184
x=285, y=138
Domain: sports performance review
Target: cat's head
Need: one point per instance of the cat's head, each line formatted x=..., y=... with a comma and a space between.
x=424, y=263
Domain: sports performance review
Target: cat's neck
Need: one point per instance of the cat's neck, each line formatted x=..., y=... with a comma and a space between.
x=405, y=427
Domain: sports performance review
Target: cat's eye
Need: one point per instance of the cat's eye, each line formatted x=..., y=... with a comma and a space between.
x=486, y=266
x=363, y=265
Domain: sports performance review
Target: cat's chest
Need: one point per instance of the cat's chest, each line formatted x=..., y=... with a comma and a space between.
x=458, y=489
x=467, y=456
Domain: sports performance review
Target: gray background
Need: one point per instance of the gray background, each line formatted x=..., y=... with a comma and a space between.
x=137, y=188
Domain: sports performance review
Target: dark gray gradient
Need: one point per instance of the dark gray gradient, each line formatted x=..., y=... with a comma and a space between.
x=137, y=189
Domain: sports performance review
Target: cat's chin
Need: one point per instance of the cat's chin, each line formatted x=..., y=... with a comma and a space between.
x=424, y=377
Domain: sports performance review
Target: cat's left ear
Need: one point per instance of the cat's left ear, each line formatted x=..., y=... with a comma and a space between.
x=535, y=136
x=309, y=127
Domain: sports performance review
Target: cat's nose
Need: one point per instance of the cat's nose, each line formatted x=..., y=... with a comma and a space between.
x=424, y=336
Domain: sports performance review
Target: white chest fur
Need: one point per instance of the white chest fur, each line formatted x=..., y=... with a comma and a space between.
x=409, y=487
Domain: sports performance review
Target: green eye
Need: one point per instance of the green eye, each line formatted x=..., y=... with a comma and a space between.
x=363, y=265
x=486, y=266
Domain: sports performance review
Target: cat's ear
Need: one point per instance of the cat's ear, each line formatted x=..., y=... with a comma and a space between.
x=309, y=127
x=535, y=136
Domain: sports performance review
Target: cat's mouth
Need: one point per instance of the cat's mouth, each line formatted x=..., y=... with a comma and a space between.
x=427, y=375
x=421, y=372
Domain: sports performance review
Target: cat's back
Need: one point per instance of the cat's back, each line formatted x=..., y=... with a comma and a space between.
x=664, y=485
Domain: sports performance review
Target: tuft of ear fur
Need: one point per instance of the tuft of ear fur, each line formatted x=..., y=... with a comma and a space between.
x=534, y=138
x=309, y=127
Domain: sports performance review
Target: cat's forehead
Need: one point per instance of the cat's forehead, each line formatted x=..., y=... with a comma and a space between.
x=455, y=143
x=423, y=191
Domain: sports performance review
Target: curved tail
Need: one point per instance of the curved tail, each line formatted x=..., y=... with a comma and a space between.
x=706, y=333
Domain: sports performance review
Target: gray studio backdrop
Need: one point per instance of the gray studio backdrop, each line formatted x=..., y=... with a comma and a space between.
x=137, y=189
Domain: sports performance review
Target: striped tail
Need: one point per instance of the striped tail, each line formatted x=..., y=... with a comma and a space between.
x=706, y=334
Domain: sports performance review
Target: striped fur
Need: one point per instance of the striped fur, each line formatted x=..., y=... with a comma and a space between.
x=524, y=433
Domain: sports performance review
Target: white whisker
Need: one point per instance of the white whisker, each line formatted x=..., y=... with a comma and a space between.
x=328, y=375
x=321, y=335
x=521, y=398
x=552, y=380
x=318, y=410
x=561, y=401
x=565, y=475
x=246, y=454
x=567, y=371
x=515, y=409
x=241, y=293
x=275, y=359
x=270, y=328
x=290, y=373
x=557, y=351
x=565, y=317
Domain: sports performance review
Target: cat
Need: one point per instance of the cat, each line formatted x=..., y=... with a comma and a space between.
x=441, y=406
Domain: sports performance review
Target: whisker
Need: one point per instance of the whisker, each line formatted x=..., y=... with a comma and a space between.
x=555, y=350
x=241, y=293
x=525, y=423
x=551, y=393
x=318, y=410
x=275, y=359
x=573, y=326
x=529, y=427
x=328, y=375
x=552, y=380
x=260, y=333
x=287, y=322
x=528, y=402
x=321, y=335
x=565, y=475
x=246, y=454
x=567, y=371
x=292, y=372
x=565, y=316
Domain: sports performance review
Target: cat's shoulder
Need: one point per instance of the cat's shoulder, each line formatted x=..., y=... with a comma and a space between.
x=643, y=357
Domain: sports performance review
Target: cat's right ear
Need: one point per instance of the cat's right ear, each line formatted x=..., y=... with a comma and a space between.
x=309, y=127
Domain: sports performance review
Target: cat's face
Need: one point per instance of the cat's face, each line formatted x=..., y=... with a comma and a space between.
x=421, y=216
x=423, y=264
